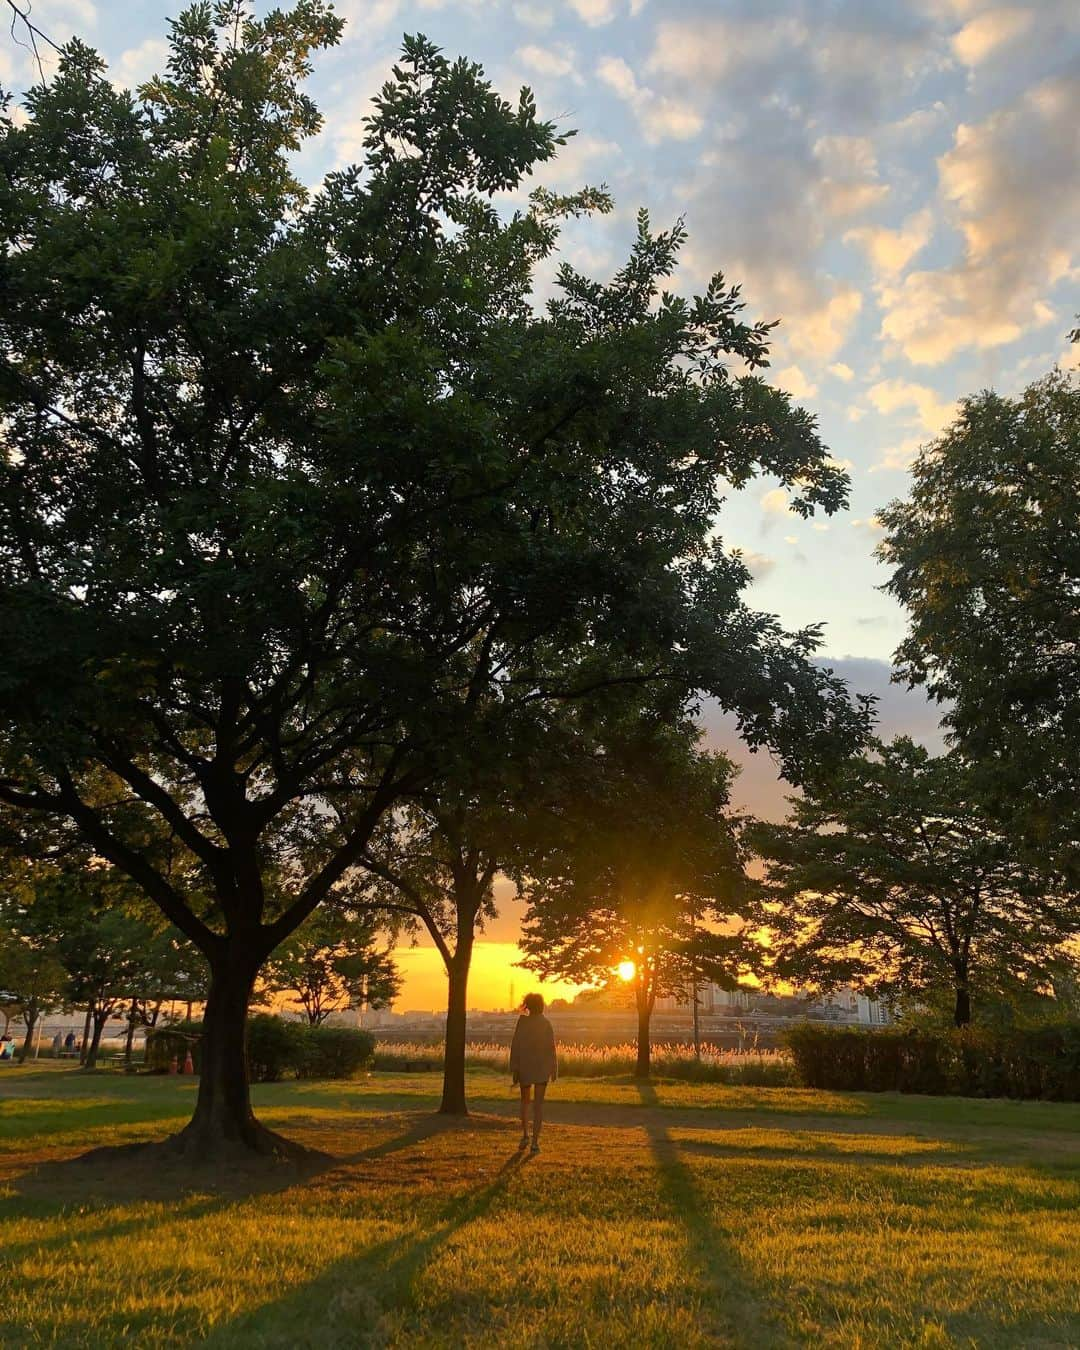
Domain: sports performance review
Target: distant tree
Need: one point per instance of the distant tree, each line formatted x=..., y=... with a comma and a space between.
x=33, y=979
x=175, y=971
x=433, y=866
x=99, y=925
x=644, y=869
x=340, y=487
x=332, y=962
x=985, y=555
x=892, y=875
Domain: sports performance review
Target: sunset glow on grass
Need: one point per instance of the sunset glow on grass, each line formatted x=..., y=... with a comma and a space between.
x=694, y=1215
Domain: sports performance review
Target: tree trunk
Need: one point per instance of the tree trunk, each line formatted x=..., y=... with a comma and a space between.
x=30, y=1016
x=92, y=1053
x=223, y=1124
x=84, y=1043
x=644, y=1014
x=962, y=1010
x=453, y=1095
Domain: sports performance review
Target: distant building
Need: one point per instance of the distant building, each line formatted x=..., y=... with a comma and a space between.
x=844, y=1005
x=711, y=999
x=872, y=1013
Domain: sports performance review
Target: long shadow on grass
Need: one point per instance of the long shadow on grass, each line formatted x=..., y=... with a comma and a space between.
x=55, y=1189
x=344, y=1288
x=721, y=1274
x=134, y=1174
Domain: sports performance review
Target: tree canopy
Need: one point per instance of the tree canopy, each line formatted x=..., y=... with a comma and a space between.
x=893, y=875
x=985, y=555
x=642, y=865
x=298, y=488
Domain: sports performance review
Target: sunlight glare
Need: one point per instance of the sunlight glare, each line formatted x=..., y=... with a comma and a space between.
x=627, y=971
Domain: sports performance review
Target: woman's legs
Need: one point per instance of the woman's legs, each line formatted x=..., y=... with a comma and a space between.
x=538, y=1110
x=526, y=1090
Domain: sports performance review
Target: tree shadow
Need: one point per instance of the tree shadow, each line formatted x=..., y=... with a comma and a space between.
x=92, y=1194
x=145, y=1172
x=728, y=1290
x=345, y=1287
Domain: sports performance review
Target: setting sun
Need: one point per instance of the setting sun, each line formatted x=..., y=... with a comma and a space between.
x=627, y=971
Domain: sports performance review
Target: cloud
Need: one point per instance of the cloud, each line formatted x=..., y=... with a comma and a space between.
x=594, y=12
x=890, y=251
x=761, y=791
x=776, y=502
x=984, y=34
x=844, y=60
x=819, y=326
x=841, y=371
x=849, y=186
x=870, y=525
x=555, y=63
x=533, y=16
x=571, y=167
x=792, y=379
x=917, y=124
x=1010, y=189
x=139, y=64
x=759, y=565
x=660, y=117
x=934, y=413
x=763, y=205
x=902, y=455
x=705, y=50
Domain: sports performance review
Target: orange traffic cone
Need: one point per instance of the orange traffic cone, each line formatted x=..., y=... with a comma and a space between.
x=189, y=1063
x=172, y=1065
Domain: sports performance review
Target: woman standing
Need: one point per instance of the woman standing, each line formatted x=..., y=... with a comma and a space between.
x=533, y=1065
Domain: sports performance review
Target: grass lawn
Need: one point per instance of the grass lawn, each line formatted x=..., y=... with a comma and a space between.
x=670, y=1215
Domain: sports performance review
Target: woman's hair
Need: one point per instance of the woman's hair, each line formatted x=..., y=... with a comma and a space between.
x=534, y=1003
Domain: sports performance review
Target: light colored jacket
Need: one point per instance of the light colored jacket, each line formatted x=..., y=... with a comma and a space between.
x=532, y=1051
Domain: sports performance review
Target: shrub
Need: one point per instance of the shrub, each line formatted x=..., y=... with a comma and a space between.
x=274, y=1047
x=1038, y=1062
x=335, y=1052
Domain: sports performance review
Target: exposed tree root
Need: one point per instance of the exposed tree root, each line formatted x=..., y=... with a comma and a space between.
x=208, y=1151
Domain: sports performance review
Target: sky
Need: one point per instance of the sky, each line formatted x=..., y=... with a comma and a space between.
x=897, y=181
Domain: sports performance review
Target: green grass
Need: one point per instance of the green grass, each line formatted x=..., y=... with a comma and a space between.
x=676, y=1214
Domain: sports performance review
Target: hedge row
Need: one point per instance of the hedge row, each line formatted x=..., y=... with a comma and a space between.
x=1038, y=1062
x=276, y=1049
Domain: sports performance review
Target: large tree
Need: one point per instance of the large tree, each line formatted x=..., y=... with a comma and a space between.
x=892, y=874
x=642, y=868
x=985, y=554
x=294, y=487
